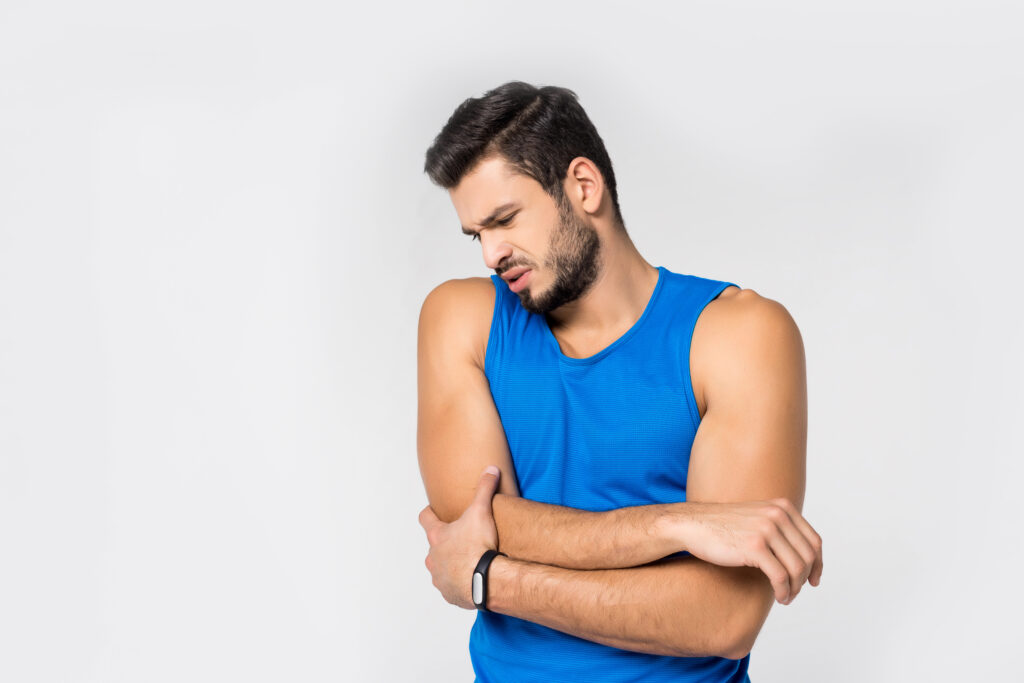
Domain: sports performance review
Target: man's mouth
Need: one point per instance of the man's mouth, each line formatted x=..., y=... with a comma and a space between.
x=520, y=281
x=513, y=274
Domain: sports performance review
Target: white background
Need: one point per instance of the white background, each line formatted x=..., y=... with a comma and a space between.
x=216, y=233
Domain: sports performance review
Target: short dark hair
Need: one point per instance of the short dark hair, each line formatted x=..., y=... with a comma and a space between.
x=537, y=130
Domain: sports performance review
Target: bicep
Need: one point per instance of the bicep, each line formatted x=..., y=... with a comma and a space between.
x=752, y=442
x=459, y=431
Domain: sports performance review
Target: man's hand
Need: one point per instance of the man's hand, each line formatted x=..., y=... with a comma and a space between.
x=769, y=534
x=456, y=548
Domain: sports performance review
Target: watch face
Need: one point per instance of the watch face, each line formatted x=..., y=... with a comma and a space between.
x=478, y=588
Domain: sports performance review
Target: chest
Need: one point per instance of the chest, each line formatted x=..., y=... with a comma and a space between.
x=598, y=436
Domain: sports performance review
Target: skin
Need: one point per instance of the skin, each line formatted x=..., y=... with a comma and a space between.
x=598, y=575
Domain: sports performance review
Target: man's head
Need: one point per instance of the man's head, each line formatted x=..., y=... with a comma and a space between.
x=514, y=161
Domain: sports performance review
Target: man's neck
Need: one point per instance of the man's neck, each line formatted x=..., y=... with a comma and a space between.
x=614, y=302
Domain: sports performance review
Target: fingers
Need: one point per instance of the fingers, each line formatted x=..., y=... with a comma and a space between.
x=774, y=570
x=787, y=556
x=808, y=539
x=795, y=552
x=814, y=540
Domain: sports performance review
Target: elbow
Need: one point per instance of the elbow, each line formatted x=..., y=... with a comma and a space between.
x=725, y=645
x=739, y=641
x=749, y=615
x=738, y=648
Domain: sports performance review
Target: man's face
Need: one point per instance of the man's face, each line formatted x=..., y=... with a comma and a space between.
x=560, y=249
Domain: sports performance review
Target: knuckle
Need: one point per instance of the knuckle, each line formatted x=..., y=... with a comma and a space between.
x=757, y=543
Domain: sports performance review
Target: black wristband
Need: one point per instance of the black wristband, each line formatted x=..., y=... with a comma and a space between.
x=479, y=587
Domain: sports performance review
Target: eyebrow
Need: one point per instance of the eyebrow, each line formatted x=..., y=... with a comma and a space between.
x=490, y=219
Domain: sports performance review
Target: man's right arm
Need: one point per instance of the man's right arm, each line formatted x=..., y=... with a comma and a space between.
x=459, y=433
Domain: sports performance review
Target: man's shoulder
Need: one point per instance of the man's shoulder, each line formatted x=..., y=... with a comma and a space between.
x=461, y=298
x=736, y=329
x=458, y=312
x=736, y=313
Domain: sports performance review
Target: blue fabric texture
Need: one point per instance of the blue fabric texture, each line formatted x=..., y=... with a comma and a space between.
x=598, y=433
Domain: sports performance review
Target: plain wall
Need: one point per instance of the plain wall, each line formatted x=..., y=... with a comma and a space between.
x=216, y=234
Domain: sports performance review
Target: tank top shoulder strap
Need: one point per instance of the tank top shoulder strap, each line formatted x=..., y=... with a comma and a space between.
x=690, y=295
x=505, y=305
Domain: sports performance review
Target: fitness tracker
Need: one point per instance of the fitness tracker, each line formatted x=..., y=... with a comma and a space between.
x=480, y=579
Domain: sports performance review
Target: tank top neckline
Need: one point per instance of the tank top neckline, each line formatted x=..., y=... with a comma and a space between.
x=615, y=344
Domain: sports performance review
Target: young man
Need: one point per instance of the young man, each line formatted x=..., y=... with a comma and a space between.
x=648, y=427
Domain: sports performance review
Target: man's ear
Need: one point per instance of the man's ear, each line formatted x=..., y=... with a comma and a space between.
x=584, y=184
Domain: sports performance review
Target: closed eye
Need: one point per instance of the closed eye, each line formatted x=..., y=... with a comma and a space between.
x=504, y=222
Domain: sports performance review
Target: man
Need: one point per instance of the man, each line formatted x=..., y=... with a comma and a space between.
x=648, y=427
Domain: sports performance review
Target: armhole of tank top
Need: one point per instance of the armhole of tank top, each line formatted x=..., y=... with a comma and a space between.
x=488, y=352
x=691, y=397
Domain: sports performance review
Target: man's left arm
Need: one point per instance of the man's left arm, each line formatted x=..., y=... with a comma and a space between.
x=752, y=439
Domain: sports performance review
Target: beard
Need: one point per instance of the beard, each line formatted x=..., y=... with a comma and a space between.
x=573, y=256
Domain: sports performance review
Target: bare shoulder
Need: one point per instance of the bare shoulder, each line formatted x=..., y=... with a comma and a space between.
x=457, y=313
x=738, y=332
x=736, y=308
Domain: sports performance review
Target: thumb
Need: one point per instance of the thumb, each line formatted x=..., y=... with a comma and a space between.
x=488, y=485
x=427, y=518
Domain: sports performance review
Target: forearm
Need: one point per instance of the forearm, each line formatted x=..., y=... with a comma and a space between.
x=682, y=607
x=583, y=539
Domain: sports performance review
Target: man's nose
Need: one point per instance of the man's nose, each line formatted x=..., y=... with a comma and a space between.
x=495, y=250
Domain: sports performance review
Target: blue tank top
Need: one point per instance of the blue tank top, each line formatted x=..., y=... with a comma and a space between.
x=597, y=433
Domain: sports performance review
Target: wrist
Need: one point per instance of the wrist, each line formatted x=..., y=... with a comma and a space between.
x=480, y=589
x=502, y=583
x=674, y=526
x=636, y=535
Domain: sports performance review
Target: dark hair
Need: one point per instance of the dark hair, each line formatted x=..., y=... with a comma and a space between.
x=537, y=130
